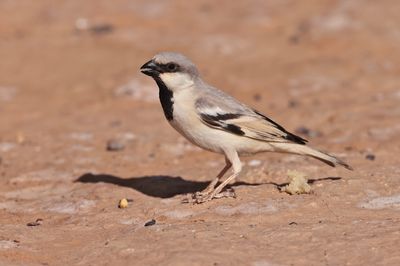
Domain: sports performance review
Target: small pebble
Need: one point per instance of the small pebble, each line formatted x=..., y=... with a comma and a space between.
x=123, y=203
x=115, y=145
x=292, y=223
x=257, y=97
x=150, y=223
x=307, y=132
x=293, y=104
x=101, y=28
x=370, y=157
x=38, y=222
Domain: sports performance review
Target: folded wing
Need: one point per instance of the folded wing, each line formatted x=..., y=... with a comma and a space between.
x=243, y=121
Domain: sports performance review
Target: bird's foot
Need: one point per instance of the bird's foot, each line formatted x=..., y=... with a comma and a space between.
x=201, y=197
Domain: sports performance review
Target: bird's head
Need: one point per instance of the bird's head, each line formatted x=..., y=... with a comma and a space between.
x=173, y=69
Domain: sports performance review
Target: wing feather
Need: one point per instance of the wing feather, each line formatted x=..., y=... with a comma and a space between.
x=243, y=121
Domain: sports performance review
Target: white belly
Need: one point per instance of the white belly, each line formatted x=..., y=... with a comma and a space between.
x=187, y=122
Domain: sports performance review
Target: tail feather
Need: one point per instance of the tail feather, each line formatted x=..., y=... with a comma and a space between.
x=308, y=151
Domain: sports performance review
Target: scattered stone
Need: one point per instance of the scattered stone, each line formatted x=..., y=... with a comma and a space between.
x=302, y=130
x=370, y=157
x=257, y=97
x=103, y=28
x=38, y=222
x=115, y=145
x=297, y=185
x=123, y=203
x=293, y=104
x=150, y=223
x=292, y=223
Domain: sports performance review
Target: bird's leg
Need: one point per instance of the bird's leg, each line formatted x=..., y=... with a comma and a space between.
x=213, y=183
x=232, y=157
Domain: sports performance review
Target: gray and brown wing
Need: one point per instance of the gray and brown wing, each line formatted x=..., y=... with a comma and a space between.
x=243, y=121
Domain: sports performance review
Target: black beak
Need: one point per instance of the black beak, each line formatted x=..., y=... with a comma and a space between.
x=150, y=69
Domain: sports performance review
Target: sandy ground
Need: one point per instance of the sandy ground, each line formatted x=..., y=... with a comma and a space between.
x=69, y=83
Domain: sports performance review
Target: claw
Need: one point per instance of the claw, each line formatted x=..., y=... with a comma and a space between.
x=200, y=197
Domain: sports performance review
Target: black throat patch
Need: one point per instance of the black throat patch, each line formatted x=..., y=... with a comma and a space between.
x=166, y=98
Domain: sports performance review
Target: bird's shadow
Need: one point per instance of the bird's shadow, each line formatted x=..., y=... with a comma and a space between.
x=162, y=186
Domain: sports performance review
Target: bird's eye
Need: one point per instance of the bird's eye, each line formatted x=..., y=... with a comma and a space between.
x=172, y=66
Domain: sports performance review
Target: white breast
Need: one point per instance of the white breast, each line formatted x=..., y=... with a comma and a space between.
x=187, y=122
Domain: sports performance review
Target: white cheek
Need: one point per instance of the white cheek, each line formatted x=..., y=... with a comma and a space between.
x=176, y=81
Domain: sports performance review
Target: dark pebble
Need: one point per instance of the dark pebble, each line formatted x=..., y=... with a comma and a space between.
x=292, y=223
x=307, y=132
x=102, y=29
x=370, y=157
x=257, y=97
x=293, y=103
x=35, y=223
x=150, y=223
x=115, y=145
x=294, y=39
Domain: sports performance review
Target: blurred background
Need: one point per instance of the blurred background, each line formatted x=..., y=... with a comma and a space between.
x=72, y=99
x=71, y=67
